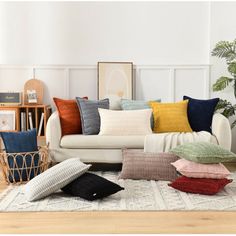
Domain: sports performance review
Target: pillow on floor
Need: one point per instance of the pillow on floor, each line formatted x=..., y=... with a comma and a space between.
x=200, y=113
x=203, y=152
x=199, y=186
x=69, y=116
x=91, y=187
x=150, y=166
x=136, y=122
x=54, y=178
x=128, y=104
x=170, y=117
x=90, y=118
x=21, y=142
x=196, y=170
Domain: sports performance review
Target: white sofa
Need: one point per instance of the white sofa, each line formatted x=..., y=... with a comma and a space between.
x=107, y=149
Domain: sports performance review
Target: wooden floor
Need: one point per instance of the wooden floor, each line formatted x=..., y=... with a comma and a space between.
x=118, y=222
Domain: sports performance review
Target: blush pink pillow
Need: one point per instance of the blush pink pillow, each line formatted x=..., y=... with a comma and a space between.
x=197, y=170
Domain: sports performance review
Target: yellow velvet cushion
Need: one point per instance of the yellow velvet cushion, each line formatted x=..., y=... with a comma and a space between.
x=170, y=117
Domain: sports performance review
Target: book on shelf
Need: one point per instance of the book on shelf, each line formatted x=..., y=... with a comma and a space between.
x=41, y=124
x=30, y=121
x=23, y=121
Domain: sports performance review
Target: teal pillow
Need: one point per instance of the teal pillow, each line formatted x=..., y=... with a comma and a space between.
x=128, y=104
x=203, y=152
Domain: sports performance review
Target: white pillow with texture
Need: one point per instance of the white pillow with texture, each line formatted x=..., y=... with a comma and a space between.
x=54, y=178
x=132, y=122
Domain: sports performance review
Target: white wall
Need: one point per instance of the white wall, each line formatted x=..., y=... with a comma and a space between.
x=86, y=32
x=223, y=26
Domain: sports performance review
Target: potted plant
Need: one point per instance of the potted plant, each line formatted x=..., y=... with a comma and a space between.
x=227, y=51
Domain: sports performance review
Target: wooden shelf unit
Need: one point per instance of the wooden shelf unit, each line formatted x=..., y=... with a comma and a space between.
x=36, y=111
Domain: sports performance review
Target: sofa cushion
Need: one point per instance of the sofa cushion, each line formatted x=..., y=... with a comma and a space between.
x=98, y=141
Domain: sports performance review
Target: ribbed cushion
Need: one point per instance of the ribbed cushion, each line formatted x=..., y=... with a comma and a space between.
x=102, y=141
x=69, y=116
x=136, y=122
x=170, y=117
x=91, y=187
x=199, y=186
x=203, y=152
x=89, y=114
x=197, y=170
x=150, y=166
x=54, y=178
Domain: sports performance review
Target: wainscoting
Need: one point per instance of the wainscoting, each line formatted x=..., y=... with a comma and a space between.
x=168, y=82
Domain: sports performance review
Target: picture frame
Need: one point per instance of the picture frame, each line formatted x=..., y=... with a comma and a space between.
x=115, y=81
x=8, y=120
x=32, y=96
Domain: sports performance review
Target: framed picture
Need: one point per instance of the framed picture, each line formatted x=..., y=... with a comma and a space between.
x=32, y=96
x=115, y=80
x=8, y=120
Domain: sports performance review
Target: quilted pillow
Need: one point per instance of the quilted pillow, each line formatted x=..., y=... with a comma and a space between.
x=69, y=116
x=203, y=152
x=21, y=142
x=54, y=178
x=197, y=170
x=200, y=113
x=150, y=166
x=90, y=118
x=91, y=187
x=200, y=186
x=136, y=122
x=170, y=117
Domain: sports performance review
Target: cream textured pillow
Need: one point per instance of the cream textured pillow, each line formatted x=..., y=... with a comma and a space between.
x=54, y=178
x=134, y=122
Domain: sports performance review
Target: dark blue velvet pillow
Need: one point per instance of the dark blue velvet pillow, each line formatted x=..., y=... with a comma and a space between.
x=200, y=113
x=16, y=142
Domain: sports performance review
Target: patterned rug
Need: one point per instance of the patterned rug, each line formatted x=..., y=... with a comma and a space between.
x=139, y=195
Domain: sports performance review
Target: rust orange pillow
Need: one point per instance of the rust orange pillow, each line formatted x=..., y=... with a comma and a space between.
x=69, y=116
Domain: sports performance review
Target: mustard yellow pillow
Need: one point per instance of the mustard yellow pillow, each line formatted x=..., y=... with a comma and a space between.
x=170, y=117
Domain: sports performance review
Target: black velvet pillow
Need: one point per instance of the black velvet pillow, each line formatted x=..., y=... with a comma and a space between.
x=91, y=187
x=200, y=113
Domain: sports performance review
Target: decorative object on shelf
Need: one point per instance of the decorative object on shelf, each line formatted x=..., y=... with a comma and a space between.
x=8, y=120
x=115, y=81
x=226, y=50
x=10, y=98
x=33, y=91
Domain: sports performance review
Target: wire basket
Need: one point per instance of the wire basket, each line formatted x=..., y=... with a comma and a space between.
x=19, y=168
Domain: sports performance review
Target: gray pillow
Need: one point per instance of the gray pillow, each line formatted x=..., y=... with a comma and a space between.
x=149, y=166
x=54, y=178
x=90, y=118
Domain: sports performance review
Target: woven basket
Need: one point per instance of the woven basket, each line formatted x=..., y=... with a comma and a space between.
x=19, y=168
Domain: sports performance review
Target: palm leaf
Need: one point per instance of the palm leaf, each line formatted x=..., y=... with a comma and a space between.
x=222, y=83
x=232, y=68
x=224, y=49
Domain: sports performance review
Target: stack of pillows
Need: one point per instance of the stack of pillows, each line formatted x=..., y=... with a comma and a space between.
x=201, y=168
x=90, y=117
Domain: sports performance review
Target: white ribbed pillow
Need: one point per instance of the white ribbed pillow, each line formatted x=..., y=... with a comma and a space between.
x=54, y=178
x=134, y=122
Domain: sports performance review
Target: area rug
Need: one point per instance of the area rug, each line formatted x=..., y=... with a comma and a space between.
x=139, y=195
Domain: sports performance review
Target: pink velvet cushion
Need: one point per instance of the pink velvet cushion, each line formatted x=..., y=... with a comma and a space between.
x=197, y=170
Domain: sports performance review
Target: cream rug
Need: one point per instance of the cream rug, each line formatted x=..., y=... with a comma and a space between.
x=139, y=195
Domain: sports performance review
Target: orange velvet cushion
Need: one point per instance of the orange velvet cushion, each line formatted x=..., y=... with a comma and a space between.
x=69, y=116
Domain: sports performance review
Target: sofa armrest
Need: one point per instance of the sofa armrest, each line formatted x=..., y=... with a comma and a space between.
x=222, y=130
x=53, y=131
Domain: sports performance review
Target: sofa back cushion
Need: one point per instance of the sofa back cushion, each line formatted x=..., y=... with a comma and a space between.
x=136, y=122
x=90, y=118
x=69, y=116
x=170, y=117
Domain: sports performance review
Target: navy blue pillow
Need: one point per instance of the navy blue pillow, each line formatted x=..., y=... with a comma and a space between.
x=200, y=113
x=15, y=142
